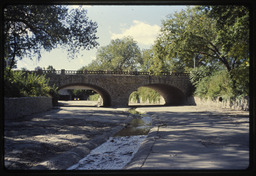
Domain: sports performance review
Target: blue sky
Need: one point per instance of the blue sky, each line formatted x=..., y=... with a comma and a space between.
x=140, y=22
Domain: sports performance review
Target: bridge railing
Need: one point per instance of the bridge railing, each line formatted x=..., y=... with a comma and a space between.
x=75, y=72
x=116, y=72
x=51, y=71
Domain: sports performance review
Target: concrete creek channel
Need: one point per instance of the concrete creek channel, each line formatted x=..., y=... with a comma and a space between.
x=118, y=150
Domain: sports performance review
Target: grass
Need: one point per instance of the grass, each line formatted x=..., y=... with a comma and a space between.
x=134, y=112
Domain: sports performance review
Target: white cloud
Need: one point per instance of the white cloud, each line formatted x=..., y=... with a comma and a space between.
x=143, y=33
x=81, y=61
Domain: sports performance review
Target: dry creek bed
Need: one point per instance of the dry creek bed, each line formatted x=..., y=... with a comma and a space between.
x=39, y=137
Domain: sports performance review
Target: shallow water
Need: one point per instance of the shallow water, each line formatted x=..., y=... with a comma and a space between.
x=137, y=126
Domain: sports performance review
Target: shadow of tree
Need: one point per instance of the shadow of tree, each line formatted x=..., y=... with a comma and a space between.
x=195, y=140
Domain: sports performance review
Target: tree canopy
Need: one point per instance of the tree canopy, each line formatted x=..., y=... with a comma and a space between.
x=209, y=34
x=30, y=28
x=120, y=55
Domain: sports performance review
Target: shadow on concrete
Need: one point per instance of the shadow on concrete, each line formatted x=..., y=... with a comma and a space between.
x=64, y=105
x=139, y=106
x=195, y=141
x=77, y=104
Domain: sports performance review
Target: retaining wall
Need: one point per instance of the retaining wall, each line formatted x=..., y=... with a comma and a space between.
x=236, y=104
x=16, y=108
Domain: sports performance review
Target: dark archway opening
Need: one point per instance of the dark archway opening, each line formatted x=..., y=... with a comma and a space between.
x=145, y=96
x=85, y=92
x=162, y=94
x=172, y=95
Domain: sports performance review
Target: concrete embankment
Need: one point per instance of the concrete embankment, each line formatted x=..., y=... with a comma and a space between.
x=241, y=103
x=16, y=108
x=193, y=137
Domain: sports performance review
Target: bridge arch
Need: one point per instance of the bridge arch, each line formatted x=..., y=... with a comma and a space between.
x=103, y=93
x=172, y=95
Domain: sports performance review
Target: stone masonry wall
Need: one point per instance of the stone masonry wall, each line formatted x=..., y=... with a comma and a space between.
x=16, y=108
x=115, y=89
x=236, y=104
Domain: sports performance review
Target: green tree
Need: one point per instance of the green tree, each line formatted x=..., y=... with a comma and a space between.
x=205, y=36
x=50, y=67
x=232, y=23
x=146, y=60
x=232, y=26
x=160, y=59
x=198, y=73
x=120, y=55
x=30, y=28
x=196, y=33
x=185, y=36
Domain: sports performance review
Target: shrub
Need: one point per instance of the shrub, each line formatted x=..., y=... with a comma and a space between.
x=13, y=83
x=94, y=97
x=199, y=73
x=216, y=85
x=144, y=94
x=220, y=84
x=241, y=77
x=24, y=84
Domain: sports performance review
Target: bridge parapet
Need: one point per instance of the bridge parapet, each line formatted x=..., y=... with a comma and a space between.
x=100, y=72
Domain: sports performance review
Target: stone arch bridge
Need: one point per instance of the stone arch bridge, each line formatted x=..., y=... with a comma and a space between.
x=116, y=87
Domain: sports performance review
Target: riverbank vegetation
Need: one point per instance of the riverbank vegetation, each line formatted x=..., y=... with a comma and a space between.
x=23, y=84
